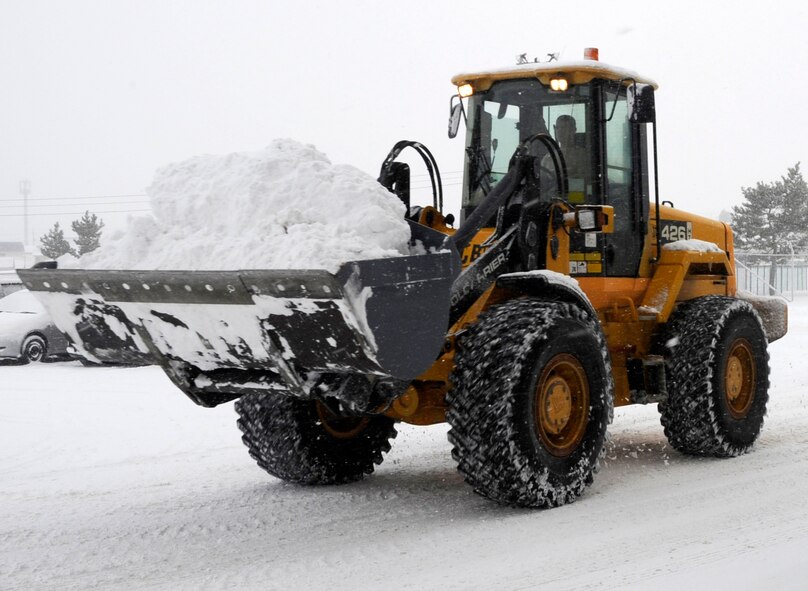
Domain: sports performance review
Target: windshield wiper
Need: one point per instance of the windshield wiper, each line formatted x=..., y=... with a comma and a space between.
x=480, y=169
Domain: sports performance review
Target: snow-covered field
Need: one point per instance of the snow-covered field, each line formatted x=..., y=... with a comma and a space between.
x=111, y=479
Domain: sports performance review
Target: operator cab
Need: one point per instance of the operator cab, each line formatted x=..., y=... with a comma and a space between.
x=584, y=107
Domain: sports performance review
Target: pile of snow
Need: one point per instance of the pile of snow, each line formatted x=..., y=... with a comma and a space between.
x=773, y=312
x=284, y=207
x=693, y=245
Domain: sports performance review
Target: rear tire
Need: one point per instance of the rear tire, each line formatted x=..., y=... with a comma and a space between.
x=531, y=403
x=718, y=377
x=302, y=441
x=34, y=349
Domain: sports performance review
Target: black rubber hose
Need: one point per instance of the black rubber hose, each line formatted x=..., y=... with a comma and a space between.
x=429, y=161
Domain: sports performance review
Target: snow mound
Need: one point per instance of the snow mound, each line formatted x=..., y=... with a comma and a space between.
x=284, y=207
x=693, y=245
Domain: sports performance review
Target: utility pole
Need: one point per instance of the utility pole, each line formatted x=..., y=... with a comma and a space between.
x=25, y=191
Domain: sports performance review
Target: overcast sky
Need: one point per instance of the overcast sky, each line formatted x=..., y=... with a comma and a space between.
x=97, y=95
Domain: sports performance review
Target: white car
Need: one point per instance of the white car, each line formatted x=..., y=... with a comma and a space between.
x=26, y=331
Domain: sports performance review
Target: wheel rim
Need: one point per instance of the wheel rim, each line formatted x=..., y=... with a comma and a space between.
x=562, y=405
x=34, y=350
x=340, y=427
x=739, y=379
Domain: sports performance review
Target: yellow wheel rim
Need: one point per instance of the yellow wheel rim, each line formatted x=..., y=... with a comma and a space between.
x=562, y=405
x=739, y=379
x=340, y=427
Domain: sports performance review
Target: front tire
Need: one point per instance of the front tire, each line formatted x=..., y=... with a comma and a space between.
x=304, y=442
x=531, y=402
x=718, y=377
x=34, y=349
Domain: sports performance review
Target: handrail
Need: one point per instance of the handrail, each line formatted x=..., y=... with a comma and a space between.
x=764, y=281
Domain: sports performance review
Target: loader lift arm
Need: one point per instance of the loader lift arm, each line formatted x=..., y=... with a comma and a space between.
x=222, y=334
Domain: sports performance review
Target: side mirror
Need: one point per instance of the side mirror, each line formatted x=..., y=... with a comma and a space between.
x=594, y=218
x=641, y=107
x=456, y=110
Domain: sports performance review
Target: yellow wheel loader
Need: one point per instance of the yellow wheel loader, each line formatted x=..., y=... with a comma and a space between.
x=567, y=289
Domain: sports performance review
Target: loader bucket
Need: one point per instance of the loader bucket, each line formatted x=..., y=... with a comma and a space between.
x=220, y=334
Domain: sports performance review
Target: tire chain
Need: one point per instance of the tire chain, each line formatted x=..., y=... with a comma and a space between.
x=280, y=441
x=488, y=355
x=689, y=415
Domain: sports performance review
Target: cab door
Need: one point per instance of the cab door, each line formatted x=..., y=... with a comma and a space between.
x=625, y=185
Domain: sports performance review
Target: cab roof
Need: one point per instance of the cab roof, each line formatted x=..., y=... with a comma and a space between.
x=576, y=72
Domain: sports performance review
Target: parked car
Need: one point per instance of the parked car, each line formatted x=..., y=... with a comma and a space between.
x=27, y=333
x=9, y=282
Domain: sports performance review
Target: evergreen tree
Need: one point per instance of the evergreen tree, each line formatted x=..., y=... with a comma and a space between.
x=54, y=243
x=773, y=219
x=88, y=232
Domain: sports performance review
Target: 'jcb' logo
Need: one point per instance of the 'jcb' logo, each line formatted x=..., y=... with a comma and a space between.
x=675, y=231
x=477, y=251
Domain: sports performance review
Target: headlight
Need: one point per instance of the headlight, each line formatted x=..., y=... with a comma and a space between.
x=559, y=84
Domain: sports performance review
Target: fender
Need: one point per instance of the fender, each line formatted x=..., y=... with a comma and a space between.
x=549, y=286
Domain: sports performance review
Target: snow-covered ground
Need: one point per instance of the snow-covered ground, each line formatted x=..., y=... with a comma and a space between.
x=111, y=479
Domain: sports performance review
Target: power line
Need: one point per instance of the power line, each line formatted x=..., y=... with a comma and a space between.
x=25, y=190
x=442, y=174
x=82, y=197
x=54, y=214
x=79, y=197
x=430, y=186
x=10, y=202
x=79, y=204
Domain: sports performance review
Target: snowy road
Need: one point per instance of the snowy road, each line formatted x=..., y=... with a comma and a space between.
x=111, y=479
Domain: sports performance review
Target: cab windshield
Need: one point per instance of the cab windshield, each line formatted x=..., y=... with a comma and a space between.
x=512, y=111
